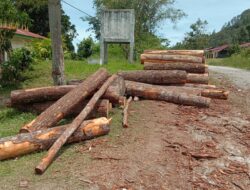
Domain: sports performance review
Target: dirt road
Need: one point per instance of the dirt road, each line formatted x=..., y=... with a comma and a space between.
x=239, y=77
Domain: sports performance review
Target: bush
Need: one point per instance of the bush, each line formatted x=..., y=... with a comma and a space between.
x=41, y=48
x=19, y=61
x=85, y=48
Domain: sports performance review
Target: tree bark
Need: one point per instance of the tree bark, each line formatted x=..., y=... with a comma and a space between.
x=102, y=109
x=156, y=77
x=48, y=159
x=198, y=53
x=25, y=143
x=172, y=58
x=153, y=92
x=39, y=94
x=204, y=86
x=125, y=113
x=197, y=78
x=56, y=39
x=188, y=67
x=114, y=93
x=64, y=105
x=217, y=94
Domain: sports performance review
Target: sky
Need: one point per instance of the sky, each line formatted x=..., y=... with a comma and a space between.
x=216, y=12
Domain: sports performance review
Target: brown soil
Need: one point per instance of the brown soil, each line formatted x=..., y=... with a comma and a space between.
x=175, y=147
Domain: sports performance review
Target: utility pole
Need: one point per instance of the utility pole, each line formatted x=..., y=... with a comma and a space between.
x=57, y=50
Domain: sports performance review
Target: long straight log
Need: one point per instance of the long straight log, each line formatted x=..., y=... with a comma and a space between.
x=197, y=78
x=217, y=94
x=156, y=77
x=188, y=67
x=25, y=143
x=102, y=108
x=198, y=53
x=48, y=159
x=172, y=58
x=42, y=94
x=114, y=93
x=64, y=105
x=204, y=86
x=125, y=113
x=153, y=92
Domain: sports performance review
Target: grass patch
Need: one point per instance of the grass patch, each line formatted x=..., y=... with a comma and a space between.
x=236, y=61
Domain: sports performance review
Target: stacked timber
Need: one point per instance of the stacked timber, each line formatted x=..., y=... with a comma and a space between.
x=191, y=61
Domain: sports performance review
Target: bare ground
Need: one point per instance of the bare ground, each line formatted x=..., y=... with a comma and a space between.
x=168, y=147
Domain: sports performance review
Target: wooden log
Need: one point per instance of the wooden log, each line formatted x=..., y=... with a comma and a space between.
x=204, y=86
x=102, y=108
x=48, y=159
x=64, y=105
x=198, y=53
x=156, y=77
x=114, y=93
x=172, y=58
x=188, y=67
x=217, y=94
x=39, y=94
x=125, y=113
x=25, y=143
x=153, y=92
x=197, y=78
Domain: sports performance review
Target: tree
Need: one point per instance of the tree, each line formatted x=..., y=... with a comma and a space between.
x=85, y=48
x=197, y=38
x=148, y=16
x=10, y=19
x=57, y=50
x=38, y=13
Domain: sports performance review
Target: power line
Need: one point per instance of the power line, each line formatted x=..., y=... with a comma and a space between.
x=76, y=8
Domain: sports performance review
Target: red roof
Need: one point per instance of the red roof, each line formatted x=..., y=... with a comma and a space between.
x=29, y=34
x=220, y=48
x=245, y=44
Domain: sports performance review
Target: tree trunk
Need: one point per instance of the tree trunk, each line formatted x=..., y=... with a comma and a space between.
x=204, y=86
x=102, y=109
x=198, y=53
x=48, y=159
x=42, y=94
x=25, y=143
x=156, y=77
x=55, y=33
x=172, y=58
x=114, y=93
x=125, y=113
x=64, y=105
x=188, y=67
x=153, y=92
x=197, y=78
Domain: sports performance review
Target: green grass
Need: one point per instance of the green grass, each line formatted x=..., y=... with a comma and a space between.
x=236, y=61
x=13, y=171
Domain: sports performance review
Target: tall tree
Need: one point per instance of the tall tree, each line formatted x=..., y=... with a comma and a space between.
x=57, y=50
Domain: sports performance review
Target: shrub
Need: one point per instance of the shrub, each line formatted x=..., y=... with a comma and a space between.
x=41, y=48
x=85, y=48
x=19, y=61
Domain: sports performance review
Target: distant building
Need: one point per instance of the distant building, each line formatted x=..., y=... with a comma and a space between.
x=21, y=39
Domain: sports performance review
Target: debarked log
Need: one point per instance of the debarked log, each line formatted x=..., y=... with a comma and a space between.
x=156, y=77
x=197, y=78
x=153, y=92
x=25, y=143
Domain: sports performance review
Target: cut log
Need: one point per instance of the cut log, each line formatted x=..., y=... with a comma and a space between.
x=172, y=58
x=198, y=53
x=197, y=78
x=48, y=159
x=156, y=77
x=217, y=94
x=64, y=105
x=204, y=86
x=188, y=67
x=39, y=94
x=114, y=93
x=153, y=92
x=25, y=143
x=74, y=82
x=125, y=113
x=102, y=108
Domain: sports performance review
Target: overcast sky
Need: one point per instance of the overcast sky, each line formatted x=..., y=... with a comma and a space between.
x=216, y=12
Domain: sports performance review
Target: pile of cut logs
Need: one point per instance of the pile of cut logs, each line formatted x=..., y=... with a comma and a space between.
x=179, y=77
